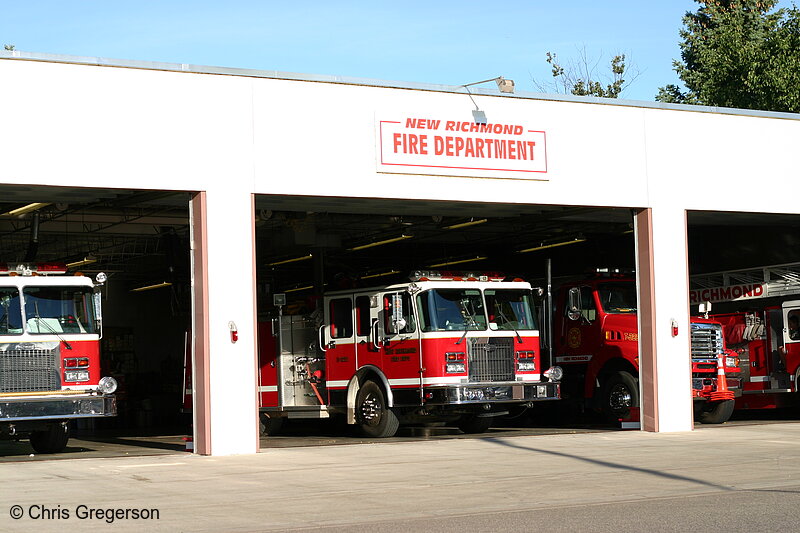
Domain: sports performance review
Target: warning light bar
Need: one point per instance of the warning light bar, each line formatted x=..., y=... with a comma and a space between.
x=453, y=275
x=33, y=269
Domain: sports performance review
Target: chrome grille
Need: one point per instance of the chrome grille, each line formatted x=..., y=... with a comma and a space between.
x=28, y=367
x=706, y=342
x=490, y=359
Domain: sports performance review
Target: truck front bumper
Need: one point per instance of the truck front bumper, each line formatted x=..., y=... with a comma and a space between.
x=482, y=393
x=14, y=407
x=703, y=387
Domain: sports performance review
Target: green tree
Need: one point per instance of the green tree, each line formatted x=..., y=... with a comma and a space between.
x=739, y=53
x=580, y=77
x=8, y=47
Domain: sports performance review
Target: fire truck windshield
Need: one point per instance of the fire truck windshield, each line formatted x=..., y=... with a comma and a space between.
x=510, y=309
x=617, y=297
x=451, y=310
x=56, y=310
x=10, y=312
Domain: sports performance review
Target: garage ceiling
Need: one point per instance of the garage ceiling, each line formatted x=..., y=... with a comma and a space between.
x=142, y=236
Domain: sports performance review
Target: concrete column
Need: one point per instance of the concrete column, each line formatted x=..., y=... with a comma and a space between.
x=665, y=366
x=223, y=286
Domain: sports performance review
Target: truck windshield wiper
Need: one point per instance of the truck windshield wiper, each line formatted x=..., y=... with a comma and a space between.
x=504, y=317
x=39, y=323
x=469, y=320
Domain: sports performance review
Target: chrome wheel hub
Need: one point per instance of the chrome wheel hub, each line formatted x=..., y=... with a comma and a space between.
x=620, y=398
x=370, y=410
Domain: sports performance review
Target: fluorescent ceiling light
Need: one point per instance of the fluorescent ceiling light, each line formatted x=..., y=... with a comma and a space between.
x=307, y=287
x=553, y=245
x=293, y=260
x=457, y=262
x=85, y=261
x=381, y=274
x=379, y=243
x=151, y=287
x=27, y=209
x=470, y=222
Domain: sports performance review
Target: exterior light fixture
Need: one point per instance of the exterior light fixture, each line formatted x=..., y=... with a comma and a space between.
x=457, y=262
x=293, y=260
x=151, y=287
x=544, y=246
x=504, y=85
x=379, y=243
x=470, y=222
x=27, y=209
x=88, y=260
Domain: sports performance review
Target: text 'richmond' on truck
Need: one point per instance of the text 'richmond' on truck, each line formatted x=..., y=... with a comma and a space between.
x=596, y=340
x=445, y=346
x=759, y=309
x=50, y=329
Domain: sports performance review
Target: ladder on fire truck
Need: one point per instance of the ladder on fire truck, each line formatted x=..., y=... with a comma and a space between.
x=776, y=280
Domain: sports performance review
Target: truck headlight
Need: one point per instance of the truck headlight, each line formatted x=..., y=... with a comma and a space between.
x=456, y=368
x=76, y=375
x=107, y=385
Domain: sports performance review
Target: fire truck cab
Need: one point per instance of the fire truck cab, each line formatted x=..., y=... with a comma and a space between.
x=596, y=339
x=457, y=347
x=50, y=329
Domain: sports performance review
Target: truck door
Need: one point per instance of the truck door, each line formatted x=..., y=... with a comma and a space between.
x=580, y=335
x=368, y=346
x=339, y=340
x=791, y=339
x=399, y=339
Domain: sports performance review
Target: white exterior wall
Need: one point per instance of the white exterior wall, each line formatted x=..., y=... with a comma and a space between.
x=232, y=136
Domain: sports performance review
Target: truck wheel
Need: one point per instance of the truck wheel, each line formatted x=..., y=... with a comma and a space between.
x=620, y=393
x=372, y=415
x=474, y=423
x=51, y=440
x=269, y=425
x=716, y=412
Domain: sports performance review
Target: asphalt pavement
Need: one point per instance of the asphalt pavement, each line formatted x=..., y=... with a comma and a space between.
x=730, y=477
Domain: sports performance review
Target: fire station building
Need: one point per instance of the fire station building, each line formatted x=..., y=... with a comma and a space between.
x=233, y=141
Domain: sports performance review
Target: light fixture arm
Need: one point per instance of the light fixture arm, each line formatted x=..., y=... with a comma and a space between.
x=471, y=98
x=483, y=81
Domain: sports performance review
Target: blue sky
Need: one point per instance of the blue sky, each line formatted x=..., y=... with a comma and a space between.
x=441, y=42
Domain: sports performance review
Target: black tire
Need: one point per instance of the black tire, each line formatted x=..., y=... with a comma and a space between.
x=51, y=440
x=620, y=394
x=716, y=412
x=474, y=423
x=269, y=425
x=373, y=416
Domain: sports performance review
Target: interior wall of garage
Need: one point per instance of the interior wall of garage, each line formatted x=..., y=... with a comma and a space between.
x=234, y=135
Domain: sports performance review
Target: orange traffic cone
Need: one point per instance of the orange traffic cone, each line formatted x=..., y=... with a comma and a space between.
x=722, y=393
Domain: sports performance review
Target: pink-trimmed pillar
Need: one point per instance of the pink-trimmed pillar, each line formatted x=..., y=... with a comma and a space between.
x=665, y=367
x=223, y=298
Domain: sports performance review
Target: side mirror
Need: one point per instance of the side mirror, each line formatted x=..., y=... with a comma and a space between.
x=396, y=321
x=705, y=308
x=98, y=312
x=574, y=303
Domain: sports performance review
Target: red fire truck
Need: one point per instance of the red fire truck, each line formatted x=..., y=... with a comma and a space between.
x=759, y=309
x=596, y=339
x=50, y=329
x=446, y=346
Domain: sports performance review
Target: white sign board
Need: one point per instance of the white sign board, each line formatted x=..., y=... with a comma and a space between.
x=440, y=146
